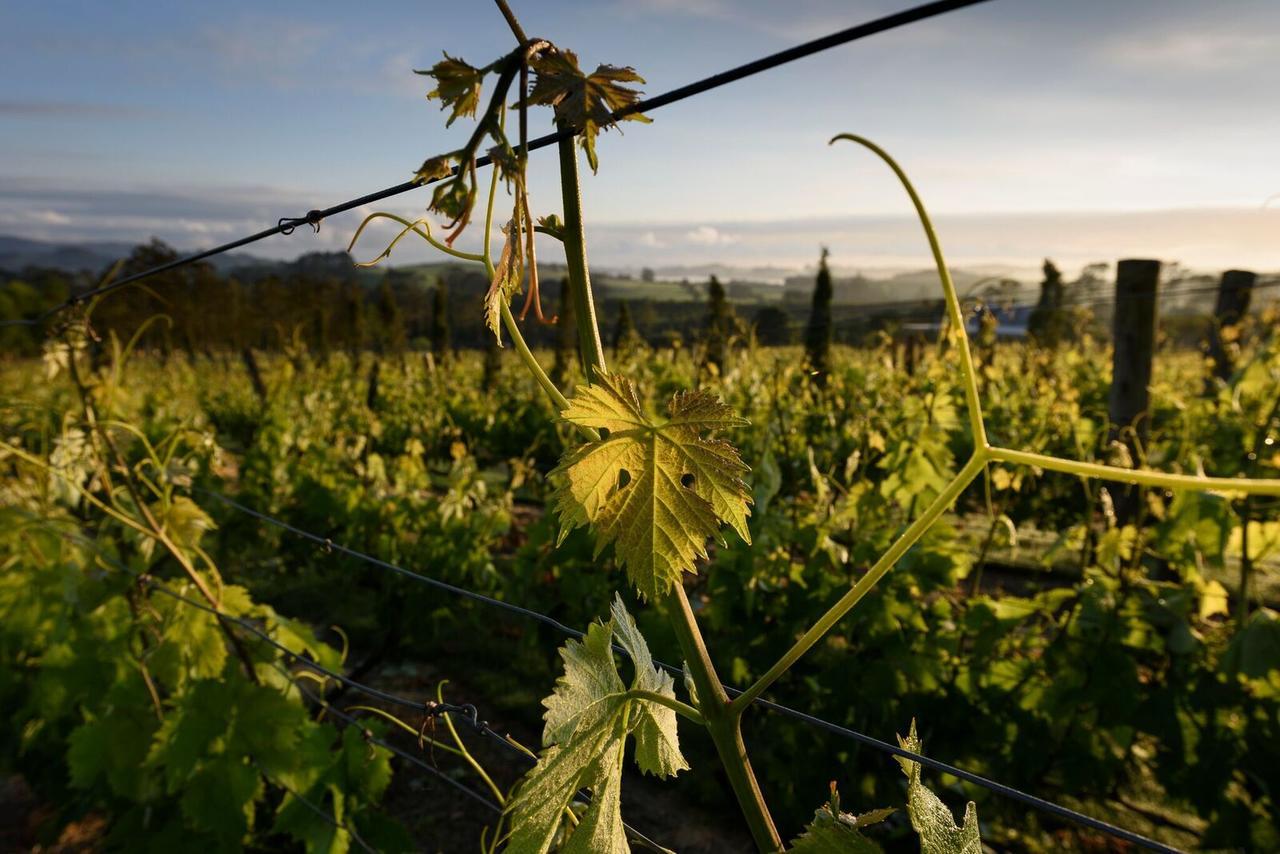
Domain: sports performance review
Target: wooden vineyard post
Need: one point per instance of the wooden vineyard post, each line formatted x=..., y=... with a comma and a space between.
x=1234, y=293
x=1135, y=338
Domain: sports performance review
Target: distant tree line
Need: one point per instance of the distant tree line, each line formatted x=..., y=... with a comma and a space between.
x=322, y=303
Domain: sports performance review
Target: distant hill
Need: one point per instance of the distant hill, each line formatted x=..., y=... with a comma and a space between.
x=19, y=253
x=889, y=287
x=746, y=285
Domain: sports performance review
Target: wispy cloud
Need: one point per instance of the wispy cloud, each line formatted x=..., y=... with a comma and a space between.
x=709, y=235
x=194, y=217
x=256, y=39
x=1193, y=49
x=72, y=110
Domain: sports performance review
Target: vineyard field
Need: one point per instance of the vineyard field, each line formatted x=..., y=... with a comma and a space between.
x=1104, y=690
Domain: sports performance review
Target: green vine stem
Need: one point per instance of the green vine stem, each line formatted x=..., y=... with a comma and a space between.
x=575, y=251
x=713, y=703
x=1142, y=477
x=531, y=361
x=723, y=724
x=982, y=454
x=954, y=314
x=420, y=227
x=846, y=602
x=682, y=709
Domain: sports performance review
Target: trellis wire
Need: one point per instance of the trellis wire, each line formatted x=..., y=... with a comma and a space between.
x=286, y=225
x=870, y=741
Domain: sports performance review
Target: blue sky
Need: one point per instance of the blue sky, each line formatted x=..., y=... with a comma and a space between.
x=198, y=122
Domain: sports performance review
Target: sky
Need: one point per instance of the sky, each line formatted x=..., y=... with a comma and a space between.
x=1084, y=130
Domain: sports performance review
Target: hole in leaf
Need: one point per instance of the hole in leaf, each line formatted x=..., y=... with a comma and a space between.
x=624, y=477
x=687, y=480
x=604, y=433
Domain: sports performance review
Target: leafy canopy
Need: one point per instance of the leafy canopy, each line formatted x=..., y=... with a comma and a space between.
x=655, y=488
x=588, y=719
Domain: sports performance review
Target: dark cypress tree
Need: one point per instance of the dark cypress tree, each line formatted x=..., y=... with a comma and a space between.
x=772, y=326
x=566, y=336
x=1047, y=323
x=817, y=336
x=624, y=332
x=439, y=334
x=492, y=361
x=323, y=320
x=354, y=310
x=371, y=392
x=718, y=323
x=394, y=337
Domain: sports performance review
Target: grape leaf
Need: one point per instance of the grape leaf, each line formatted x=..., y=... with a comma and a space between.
x=457, y=86
x=657, y=744
x=655, y=488
x=930, y=817
x=268, y=726
x=339, y=781
x=836, y=832
x=108, y=747
x=584, y=102
x=219, y=797
x=193, y=644
x=192, y=727
x=317, y=834
x=1253, y=656
x=588, y=719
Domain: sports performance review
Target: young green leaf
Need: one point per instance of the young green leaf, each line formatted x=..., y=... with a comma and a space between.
x=584, y=102
x=655, y=488
x=930, y=816
x=453, y=198
x=552, y=225
x=434, y=168
x=836, y=832
x=457, y=86
x=657, y=743
x=588, y=719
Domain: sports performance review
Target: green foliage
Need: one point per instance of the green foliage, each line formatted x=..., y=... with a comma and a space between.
x=588, y=719
x=147, y=705
x=654, y=488
x=930, y=817
x=439, y=479
x=836, y=832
